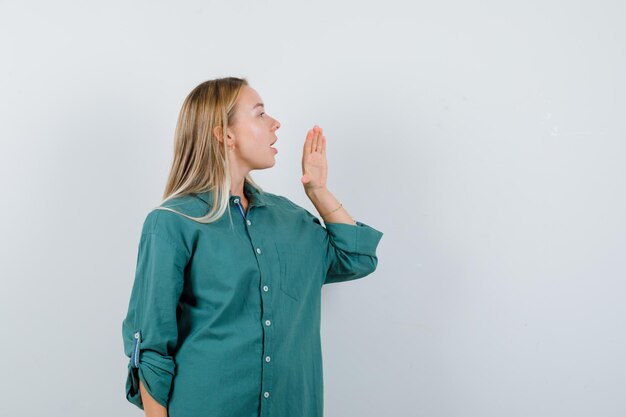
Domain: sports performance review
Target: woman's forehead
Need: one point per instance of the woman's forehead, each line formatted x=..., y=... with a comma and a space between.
x=249, y=98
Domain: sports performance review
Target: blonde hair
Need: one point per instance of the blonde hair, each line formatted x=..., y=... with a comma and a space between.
x=200, y=161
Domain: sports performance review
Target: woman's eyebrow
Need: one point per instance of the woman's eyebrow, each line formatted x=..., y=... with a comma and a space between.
x=258, y=105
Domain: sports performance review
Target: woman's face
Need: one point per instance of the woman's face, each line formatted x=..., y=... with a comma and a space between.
x=253, y=132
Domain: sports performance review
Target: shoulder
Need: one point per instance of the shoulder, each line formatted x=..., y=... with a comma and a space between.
x=173, y=211
x=168, y=220
x=284, y=203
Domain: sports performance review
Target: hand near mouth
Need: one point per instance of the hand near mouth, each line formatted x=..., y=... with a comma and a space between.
x=314, y=165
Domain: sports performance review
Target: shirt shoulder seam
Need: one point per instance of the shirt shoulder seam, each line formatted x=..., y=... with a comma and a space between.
x=164, y=236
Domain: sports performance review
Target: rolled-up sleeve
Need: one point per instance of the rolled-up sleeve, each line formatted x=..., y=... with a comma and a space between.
x=350, y=251
x=150, y=330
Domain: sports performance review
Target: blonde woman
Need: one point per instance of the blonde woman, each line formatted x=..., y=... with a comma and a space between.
x=224, y=314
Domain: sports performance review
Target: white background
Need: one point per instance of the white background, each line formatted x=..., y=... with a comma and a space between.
x=485, y=139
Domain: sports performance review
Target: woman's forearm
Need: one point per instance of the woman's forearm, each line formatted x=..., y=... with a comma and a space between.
x=325, y=202
x=151, y=407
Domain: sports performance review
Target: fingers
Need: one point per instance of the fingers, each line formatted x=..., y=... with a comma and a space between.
x=309, y=141
x=315, y=140
x=320, y=142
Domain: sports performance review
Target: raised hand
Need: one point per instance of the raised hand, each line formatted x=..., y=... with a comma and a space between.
x=314, y=165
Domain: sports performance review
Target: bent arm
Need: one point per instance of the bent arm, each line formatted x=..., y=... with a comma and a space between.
x=350, y=245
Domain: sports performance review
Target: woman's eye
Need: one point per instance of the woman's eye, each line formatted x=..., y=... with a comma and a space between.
x=262, y=114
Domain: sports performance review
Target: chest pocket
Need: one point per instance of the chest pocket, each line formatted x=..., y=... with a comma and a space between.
x=296, y=270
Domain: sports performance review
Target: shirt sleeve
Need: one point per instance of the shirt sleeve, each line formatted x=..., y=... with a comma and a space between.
x=350, y=251
x=150, y=330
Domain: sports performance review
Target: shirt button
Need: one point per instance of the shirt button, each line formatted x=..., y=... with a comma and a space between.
x=266, y=394
x=265, y=288
x=267, y=322
x=249, y=222
x=258, y=250
x=267, y=359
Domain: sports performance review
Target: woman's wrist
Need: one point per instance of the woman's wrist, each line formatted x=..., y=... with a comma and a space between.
x=331, y=210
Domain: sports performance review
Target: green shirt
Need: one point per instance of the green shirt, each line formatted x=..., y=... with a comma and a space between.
x=224, y=318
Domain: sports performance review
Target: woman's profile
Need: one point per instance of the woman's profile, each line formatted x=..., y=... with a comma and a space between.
x=224, y=314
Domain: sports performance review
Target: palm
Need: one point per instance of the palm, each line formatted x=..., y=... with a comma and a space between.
x=314, y=166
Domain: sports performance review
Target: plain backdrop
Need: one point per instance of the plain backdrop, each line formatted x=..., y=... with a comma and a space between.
x=486, y=139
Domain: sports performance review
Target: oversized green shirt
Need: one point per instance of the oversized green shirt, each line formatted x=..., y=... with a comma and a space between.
x=224, y=318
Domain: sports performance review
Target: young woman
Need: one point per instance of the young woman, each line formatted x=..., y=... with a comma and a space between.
x=224, y=314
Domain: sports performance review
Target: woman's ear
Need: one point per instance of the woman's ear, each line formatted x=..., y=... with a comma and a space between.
x=217, y=131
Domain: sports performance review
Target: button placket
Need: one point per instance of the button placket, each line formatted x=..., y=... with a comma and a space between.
x=267, y=328
x=266, y=380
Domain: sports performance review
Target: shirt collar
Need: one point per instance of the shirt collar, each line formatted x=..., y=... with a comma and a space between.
x=257, y=198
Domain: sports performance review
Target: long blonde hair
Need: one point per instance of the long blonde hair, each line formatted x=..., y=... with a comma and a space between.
x=200, y=163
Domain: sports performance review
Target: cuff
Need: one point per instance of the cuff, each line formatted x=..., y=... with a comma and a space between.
x=360, y=238
x=156, y=372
